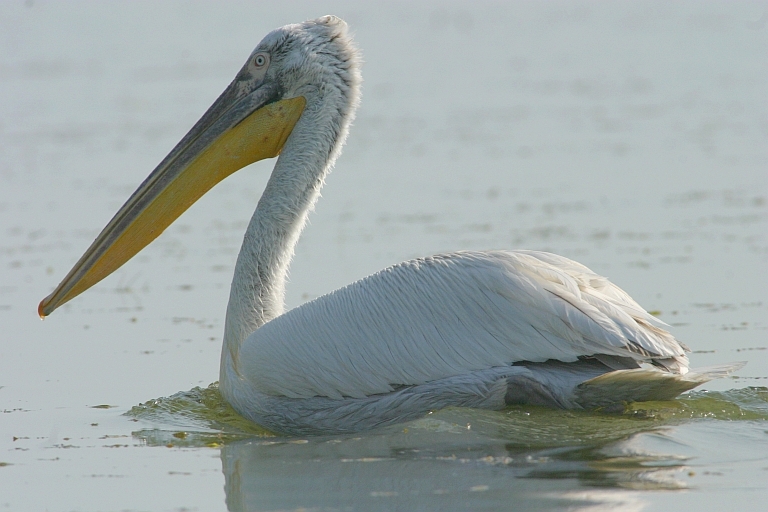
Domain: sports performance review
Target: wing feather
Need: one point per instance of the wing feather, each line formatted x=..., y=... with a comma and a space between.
x=442, y=316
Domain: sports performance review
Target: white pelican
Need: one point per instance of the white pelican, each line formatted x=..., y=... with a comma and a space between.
x=473, y=329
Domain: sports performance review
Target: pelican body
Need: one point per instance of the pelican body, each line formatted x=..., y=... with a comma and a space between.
x=472, y=329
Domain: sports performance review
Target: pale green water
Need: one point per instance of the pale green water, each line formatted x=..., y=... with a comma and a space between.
x=631, y=137
x=205, y=418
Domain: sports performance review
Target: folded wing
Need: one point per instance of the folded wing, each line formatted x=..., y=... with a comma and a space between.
x=445, y=315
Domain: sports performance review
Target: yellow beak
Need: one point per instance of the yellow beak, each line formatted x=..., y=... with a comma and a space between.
x=235, y=132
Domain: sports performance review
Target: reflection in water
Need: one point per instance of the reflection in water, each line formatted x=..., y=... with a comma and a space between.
x=455, y=459
x=407, y=470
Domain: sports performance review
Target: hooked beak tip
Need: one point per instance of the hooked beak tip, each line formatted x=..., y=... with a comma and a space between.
x=40, y=311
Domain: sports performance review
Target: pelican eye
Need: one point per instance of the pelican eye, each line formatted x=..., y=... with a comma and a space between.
x=260, y=60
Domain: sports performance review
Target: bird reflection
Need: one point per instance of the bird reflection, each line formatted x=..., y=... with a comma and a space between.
x=423, y=464
x=456, y=459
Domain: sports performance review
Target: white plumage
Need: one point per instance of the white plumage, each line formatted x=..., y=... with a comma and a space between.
x=456, y=329
x=437, y=317
x=474, y=329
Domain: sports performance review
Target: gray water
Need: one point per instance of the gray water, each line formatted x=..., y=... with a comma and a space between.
x=629, y=136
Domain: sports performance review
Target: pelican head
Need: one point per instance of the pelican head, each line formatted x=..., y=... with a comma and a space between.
x=296, y=71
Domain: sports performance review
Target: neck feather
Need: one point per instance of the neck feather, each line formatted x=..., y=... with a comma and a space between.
x=258, y=285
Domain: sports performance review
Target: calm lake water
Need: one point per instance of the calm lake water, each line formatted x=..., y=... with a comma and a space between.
x=632, y=137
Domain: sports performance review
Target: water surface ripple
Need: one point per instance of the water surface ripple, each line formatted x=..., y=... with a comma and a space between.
x=473, y=456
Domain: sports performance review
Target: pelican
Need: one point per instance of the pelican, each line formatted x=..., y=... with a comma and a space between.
x=468, y=329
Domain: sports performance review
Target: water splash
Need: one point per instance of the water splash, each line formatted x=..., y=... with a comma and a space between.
x=201, y=417
x=198, y=417
x=750, y=403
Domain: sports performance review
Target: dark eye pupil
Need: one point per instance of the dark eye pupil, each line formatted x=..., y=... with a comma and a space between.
x=259, y=60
